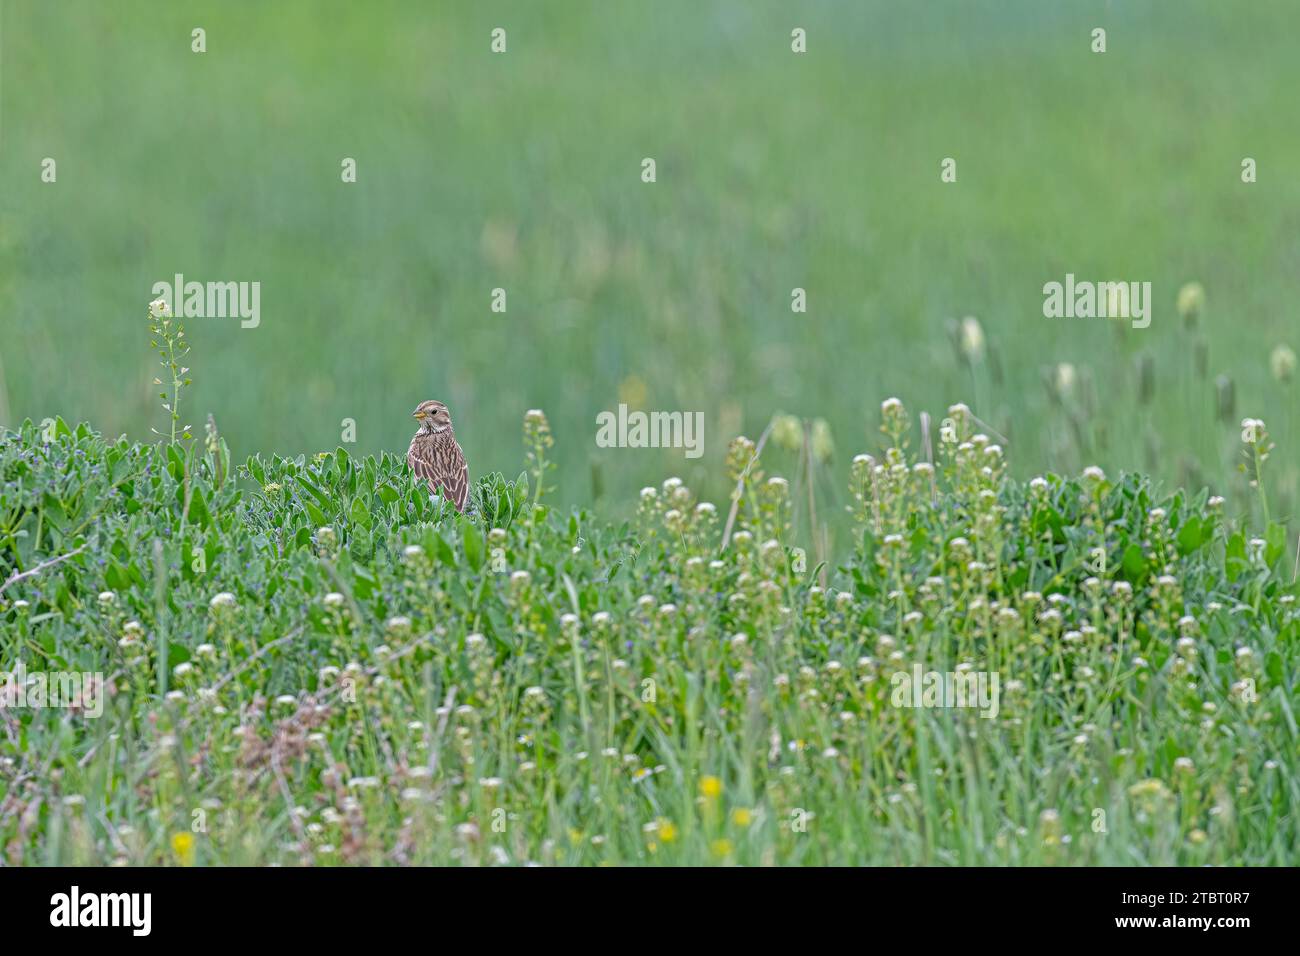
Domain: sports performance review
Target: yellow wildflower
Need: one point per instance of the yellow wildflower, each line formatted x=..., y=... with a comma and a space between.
x=183, y=847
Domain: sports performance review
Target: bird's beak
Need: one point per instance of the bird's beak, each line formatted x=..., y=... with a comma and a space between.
x=417, y=414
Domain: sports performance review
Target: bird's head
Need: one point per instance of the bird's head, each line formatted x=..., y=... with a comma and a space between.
x=432, y=415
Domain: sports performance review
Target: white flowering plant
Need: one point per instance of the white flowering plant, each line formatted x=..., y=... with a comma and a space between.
x=351, y=674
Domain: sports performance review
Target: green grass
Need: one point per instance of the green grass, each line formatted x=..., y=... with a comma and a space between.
x=334, y=668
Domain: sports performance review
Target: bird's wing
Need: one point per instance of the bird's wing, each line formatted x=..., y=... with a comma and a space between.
x=459, y=487
x=448, y=478
x=420, y=464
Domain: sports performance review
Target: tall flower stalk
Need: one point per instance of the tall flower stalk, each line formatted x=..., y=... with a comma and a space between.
x=1255, y=437
x=169, y=342
x=537, y=440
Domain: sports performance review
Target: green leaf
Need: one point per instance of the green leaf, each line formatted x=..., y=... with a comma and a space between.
x=1134, y=563
x=442, y=549
x=1190, y=537
x=1235, y=556
x=115, y=576
x=364, y=583
x=322, y=499
x=1275, y=543
x=317, y=516
x=199, y=509
x=1273, y=667
x=360, y=514
x=474, y=545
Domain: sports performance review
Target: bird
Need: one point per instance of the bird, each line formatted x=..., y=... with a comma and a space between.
x=435, y=456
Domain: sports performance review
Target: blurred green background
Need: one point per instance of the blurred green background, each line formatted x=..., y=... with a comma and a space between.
x=775, y=171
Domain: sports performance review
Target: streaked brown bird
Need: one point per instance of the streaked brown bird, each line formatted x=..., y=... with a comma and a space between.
x=435, y=456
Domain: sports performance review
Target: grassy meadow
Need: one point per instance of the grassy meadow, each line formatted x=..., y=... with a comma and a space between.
x=627, y=656
x=336, y=669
